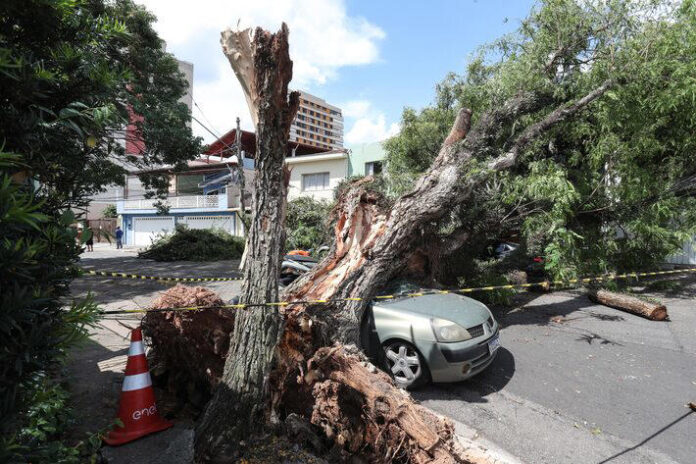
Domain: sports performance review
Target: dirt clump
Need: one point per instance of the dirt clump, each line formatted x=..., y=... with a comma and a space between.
x=188, y=345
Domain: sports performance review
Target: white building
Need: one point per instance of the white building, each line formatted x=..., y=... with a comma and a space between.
x=687, y=257
x=317, y=175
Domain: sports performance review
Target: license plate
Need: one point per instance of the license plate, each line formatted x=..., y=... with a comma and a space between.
x=494, y=344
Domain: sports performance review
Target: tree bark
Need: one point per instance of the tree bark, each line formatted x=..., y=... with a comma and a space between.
x=239, y=406
x=631, y=304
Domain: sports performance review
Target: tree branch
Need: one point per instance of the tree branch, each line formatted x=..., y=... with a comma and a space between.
x=535, y=130
x=236, y=45
x=460, y=128
x=490, y=122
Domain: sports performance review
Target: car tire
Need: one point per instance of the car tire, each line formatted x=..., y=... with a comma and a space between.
x=404, y=363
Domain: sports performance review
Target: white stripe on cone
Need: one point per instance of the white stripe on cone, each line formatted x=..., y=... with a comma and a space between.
x=136, y=348
x=136, y=381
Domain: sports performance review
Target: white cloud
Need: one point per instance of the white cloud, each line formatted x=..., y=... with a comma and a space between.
x=369, y=124
x=323, y=39
x=356, y=108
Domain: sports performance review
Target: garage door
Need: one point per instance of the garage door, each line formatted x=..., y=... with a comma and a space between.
x=146, y=229
x=225, y=223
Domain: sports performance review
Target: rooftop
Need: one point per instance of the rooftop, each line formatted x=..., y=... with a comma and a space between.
x=224, y=146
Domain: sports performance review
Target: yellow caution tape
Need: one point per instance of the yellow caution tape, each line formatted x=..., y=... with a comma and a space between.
x=159, y=278
x=545, y=284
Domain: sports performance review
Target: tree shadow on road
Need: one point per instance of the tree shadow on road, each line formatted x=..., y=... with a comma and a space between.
x=475, y=389
x=108, y=290
x=535, y=310
x=94, y=376
x=638, y=445
x=133, y=265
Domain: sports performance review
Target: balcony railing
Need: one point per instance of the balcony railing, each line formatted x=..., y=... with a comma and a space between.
x=179, y=202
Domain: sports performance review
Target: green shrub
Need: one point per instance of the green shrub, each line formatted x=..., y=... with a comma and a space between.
x=307, y=223
x=109, y=211
x=38, y=254
x=39, y=436
x=195, y=245
x=487, y=274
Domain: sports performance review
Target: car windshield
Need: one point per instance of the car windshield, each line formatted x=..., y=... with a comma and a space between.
x=396, y=287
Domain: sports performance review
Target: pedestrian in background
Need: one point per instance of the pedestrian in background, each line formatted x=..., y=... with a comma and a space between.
x=119, y=237
x=90, y=239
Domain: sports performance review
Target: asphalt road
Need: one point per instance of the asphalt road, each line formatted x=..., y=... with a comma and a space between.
x=602, y=386
x=116, y=293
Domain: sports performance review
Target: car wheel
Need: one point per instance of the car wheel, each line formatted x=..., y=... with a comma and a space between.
x=405, y=364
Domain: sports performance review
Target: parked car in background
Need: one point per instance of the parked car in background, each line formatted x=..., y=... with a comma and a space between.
x=504, y=249
x=534, y=266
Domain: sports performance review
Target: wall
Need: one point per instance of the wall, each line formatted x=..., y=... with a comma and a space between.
x=186, y=69
x=99, y=201
x=127, y=219
x=687, y=256
x=364, y=153
x=335, y=165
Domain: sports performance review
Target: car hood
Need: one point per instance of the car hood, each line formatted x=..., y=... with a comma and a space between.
x=460, y=309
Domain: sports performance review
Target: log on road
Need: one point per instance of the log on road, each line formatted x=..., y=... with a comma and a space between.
x=631, y=304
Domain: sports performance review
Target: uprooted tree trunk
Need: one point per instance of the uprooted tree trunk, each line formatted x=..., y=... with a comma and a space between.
x=359, y=409
x=628, y=303
x=189, y=347
x=238, y=407
x=373, y=243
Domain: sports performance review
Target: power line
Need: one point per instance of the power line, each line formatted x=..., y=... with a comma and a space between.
x=206, y=119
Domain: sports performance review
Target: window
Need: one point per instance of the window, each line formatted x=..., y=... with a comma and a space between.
x=373, y=168
x=187, y=184
x=319, y=181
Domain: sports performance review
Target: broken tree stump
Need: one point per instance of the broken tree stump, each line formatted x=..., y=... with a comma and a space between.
x=631, y=304
x=358, y=409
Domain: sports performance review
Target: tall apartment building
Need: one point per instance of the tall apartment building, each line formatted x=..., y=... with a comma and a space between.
x=317, y=123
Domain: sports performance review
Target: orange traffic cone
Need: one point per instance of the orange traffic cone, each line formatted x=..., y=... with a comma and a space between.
x=137, y=409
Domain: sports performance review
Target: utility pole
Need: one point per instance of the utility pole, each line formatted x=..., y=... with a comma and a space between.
x=241, y=183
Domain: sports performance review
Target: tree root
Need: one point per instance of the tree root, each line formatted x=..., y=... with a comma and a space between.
x=363, y=413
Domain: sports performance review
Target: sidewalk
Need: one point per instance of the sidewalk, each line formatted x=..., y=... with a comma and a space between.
x=95, y=373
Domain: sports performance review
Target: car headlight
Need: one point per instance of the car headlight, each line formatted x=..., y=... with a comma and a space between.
x=448, y=331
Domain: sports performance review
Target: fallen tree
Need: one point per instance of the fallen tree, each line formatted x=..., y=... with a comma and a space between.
x=188, y=347
x=298, y=361
x=373, y=242
x=628, y=303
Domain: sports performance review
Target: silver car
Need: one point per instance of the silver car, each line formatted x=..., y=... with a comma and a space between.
x=434, y=337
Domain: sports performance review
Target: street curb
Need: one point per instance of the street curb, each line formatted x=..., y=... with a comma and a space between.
x=480, y=450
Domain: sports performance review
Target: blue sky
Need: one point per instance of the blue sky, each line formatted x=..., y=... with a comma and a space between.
x=421, y=45
x=371, y=58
